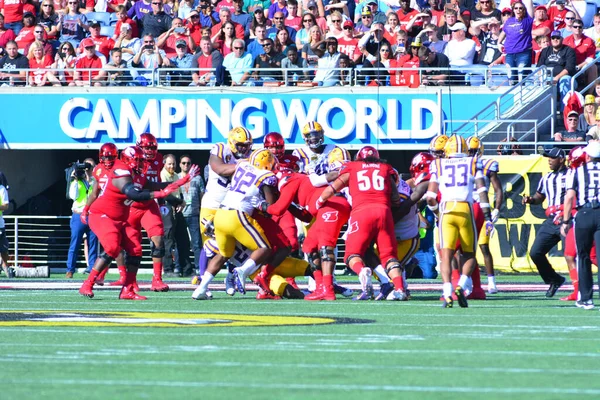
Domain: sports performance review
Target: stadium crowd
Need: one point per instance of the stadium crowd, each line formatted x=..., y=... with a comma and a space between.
x=317, y=42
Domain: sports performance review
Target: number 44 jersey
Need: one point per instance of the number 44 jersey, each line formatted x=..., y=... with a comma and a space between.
x=245, y=185
x=456, y=177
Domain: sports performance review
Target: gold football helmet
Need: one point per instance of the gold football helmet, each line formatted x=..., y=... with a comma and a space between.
x=240, y=142
x=437, y=144
x=262, y=159
x=337, y=157
x=456, y=146
x=313, y=134
x=474, y=146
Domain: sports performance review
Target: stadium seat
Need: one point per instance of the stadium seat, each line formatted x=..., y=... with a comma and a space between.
x=590, y=10
x=102, y=17
x=107, y=30
x=114, y=19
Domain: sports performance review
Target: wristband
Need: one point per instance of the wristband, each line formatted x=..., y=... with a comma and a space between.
x=433, y=208
x=484, y=205
x=430, y=194
x=566, y=222
x=482, y=189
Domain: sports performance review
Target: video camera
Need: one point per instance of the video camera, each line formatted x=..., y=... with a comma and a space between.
x=80, y=167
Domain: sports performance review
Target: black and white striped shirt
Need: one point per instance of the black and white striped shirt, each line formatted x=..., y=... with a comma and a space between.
x=553, y=186
x=585, y=180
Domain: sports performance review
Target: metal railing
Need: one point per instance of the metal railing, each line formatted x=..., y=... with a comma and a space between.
x=581, y=72
x=475, y=75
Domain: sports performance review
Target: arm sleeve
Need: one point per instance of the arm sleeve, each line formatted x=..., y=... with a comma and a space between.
x=134, y=193
x=318, y=180
x=285, y=199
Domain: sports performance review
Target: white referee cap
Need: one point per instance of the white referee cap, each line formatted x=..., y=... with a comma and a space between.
x=593, y=149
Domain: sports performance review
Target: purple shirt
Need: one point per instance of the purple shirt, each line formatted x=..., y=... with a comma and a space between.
x=139, y=9
x=518, y=35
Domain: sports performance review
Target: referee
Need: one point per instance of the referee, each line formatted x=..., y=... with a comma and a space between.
x=583, y=193
x=551, y=187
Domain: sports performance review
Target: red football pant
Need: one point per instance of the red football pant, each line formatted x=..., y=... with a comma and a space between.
x=373, y=224
x=112, y=235
x=328, y=223
x=287, y=222
x=571, y=248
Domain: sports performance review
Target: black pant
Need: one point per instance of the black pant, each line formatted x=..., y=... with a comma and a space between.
x=546, y=238
x=168, y=238
x=587, y=231
x=182, y=241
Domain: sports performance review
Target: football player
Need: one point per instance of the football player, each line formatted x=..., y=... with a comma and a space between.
x=455, y=177
x=314, y=156
x=437, y=145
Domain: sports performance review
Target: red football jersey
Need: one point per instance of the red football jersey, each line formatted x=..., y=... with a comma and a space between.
x=140, y=181
x=369, y=184
x=100, y=174
x=112, y=202
x=295, y=188
x=154, y=168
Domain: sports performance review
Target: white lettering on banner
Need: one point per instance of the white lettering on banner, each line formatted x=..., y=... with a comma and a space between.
x=199, y=118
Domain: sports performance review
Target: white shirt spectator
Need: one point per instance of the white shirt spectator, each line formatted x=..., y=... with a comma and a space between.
x=460, y=53
x=326, y=65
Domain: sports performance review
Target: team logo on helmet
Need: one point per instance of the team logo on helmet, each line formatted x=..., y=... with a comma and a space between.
x=262, y=159
x=240, y=142
x=313, y=134
x=366, y=152
x=275, y=143
x=108, y=154
x=420, y=164
x=337, y=157
x=455, y=147
x=474, y=146
x=437, y=144
x=576, y=156
x=147, y=142
x=133, y=156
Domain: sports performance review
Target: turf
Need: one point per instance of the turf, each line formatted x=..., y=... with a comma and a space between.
x=514, y=345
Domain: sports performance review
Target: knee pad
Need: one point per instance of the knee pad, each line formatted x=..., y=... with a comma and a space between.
x=156, y=252
x=314, y=260
x=107, y=259
x=350, y=257
x=134, y=261
x=327, y=254
x=393, y=264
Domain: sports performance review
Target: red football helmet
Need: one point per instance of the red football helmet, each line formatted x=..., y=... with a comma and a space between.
x=147, y=142
x=420, y=164
x=133, y=156
x=108, y=154
x=366, y=151
x=288, y=163
x=275, y=143
x=576, y=156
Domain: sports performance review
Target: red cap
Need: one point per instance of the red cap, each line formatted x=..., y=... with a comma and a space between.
x=541, y=8
x=506, y=9
x=348, y=23
x=87, y=42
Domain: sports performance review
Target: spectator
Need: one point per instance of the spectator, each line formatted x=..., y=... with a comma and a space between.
x=259, y=19
x=431, y=39
x=426, y=253
x=168, y=40
x=485, y=9
x=270, y=59
x=13, y=14
x=116, y=69
x=406, y=13
x=542, y=26
x=80, y=187
x=437, y=12
x=562, y=60
x=39, y=34
x=329, y=61
x=4, y=205
x=253, y=6
x=185, y=8
x=25, y=36
x=224, y=17
x=238, y=63
x=276, y=7
x=308, y=53
x=157, y=22
x=391, y=27
x=282, y=41
x=417, y=22
x=516, y=38
x=587, y=119
x=139, y=9
x=189, y=223
x=585, y=53
x=568, y=28
x=400, y=43
x=364, y=25
x=597, y=92
x=370, y=43
x=73, y=25
x=128, y=44
x=557, y=13
x=255, y=47
x=103, y=43
x=542, y=42
x=348, y=44
x=346, y=70
x=40, y=62
x=89, y=60
x=430, y=59
x=49, y=19
x=228, y=4
x=293, y=20
x=295, y=66
x=378, y=15
x=182, y=60
x=506, y=14
x=193, y=25
x=316, y=9
x=376, y=72
x=13, y=61
x=209, y=62
x=241, y=18
x=490, y=46
x=303, y=36
x=167, y=174
x=594, y=132
x=6, y=35
x=64, y=62
x=509, y=150
x=334, y=25
x=460, y=50
x=592, y=32
x=450, y=17
x=571, y=133
x=147, y=59
x=278, y=24
x=223, y=40
x=208, y=17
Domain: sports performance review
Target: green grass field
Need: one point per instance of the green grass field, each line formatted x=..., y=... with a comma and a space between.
x=512, y=346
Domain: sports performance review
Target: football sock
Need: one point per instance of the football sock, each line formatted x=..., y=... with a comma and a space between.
x=157, y=267
x=327, y=280
x=318, y=276
x=398, y=283
x=203, y=262
x=462, y=281
x=447, y=289
x=207, y=277
x=122, y=271
x=574, y=279
x=248, y=267
x=491, y=280
x=357, y=267
x=129, y=278
x=476, y=276
x=381, y=274
x=102, y=274
x=93, y=276
x=455, y=276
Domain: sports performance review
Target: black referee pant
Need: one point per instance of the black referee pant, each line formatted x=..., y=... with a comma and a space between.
x=546, y=238
x=587, y=230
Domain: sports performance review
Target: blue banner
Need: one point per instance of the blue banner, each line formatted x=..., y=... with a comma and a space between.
x=389, y=118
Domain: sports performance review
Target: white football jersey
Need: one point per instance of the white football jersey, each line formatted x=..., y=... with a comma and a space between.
x=241, y=253
x=216, y=186
x=311, y=162
x=456, y=177
x=408, y=226
x=489, y=166
x=246, y=182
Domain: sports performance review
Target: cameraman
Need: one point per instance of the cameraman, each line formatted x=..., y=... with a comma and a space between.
x=208, y=17
x=4, y=204
x=80, y=187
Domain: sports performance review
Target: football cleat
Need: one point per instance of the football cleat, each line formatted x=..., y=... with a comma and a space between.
x=159, y=286
x=447, y=302
x=240, y=281
x=120, y=282
x=342, y=290
x=292, y=282
x=364, y=295
x=398, y=295
x=460, y=294
x=262, y=282
x=366, y=282
x=86, y=290
x=201, y=295
x=261, y=295
x=229, y=284
x=196, y=280
x=136, y=287
x=586, y=305
x=100, y=281
x=127, y=293
x=571, y=297
x=384, y=290
x=492, y=289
